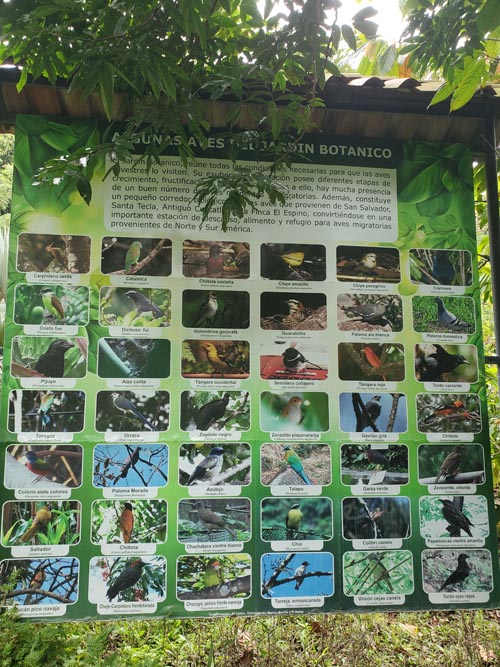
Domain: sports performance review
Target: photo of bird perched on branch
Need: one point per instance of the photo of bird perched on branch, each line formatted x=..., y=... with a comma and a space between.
x=215, y=358
x=445, y=363
x=48, y=357
x=374, y=464
x=451, y=464
x=443, y=413
x=144, y=307
x=53, y=253
x=289, y=261
x=367, y=264
x=216, y=259
x=132, y=411
x=440, y=267
x=127, y=578
x=453, y=517
x=126, y=255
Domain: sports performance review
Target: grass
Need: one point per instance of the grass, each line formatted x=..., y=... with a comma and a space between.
x=447, y=639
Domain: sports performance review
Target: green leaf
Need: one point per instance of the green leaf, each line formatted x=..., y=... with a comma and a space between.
x=386, y=59
x=367, y=28
x=468, y=84
x=365, y=13
x=349, y=36
x=443, y=92
x=488, y=17
x=85, y=189
x=437, y=205
x=106, y=85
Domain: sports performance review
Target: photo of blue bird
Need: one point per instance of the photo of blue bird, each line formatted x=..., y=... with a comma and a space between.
x=440, y=267
x=132, y=411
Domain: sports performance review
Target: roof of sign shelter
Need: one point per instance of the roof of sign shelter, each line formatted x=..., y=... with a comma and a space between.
x=373, y=107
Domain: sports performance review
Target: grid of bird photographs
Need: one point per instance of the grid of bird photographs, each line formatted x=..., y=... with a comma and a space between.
x=289, y=395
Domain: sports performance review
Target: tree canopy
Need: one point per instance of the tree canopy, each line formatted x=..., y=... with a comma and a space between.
x=158, y=61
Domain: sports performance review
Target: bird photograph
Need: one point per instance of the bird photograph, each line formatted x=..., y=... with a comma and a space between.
x=292, y=575
x=368, y=412
x=451, y=464
x=216, y=259
x=457, y=571
x=378, y=573
x=43, y=466
x=464, y=517
x=129, y=522
x=448, y=413
x=300, y=464
x=215, y=411
x=117, y=580
x=53, y=253
x=44, y=356
x=293, y=311
x=369, y=312
x=293, y=360
x=125, y=255
x=374, y=464
x=50, y=582
x=215, y=359
x=214, y=464
x=55, y=305
x=440, y=267
x=132, y=411
x=40, y=523
x=300, y=519
x=445, y=363
x=124, y=307
x=294, y=411
x=293, y=261
x=220, y=309
x=213, y=577
x=368, y=264
x=376, y=518
x=124, y=466
x=374, y=361
x=46, y=411
x=213, y=520
x=133, y=357
x=447, y=314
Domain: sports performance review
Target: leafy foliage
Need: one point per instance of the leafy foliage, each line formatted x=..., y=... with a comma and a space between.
x=457, y=40
x=154, y=63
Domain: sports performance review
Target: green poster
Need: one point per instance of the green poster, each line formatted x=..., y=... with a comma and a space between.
x=286, y=417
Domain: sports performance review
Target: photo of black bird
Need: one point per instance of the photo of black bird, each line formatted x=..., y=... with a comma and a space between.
x=432, y=367
x=299, y=574
x=374, y=408
x=144, y=305
x=455, y=517
x=51, y=362
x=377, y=457
x=442, y=269
x=129, y=462
x=126, y=579
x=449, y=320
x=211, y=412
x=209, y=468
x=461, y=572
x=451, y=465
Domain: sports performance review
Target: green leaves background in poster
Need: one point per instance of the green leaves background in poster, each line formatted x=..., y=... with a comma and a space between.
x=167, y=568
